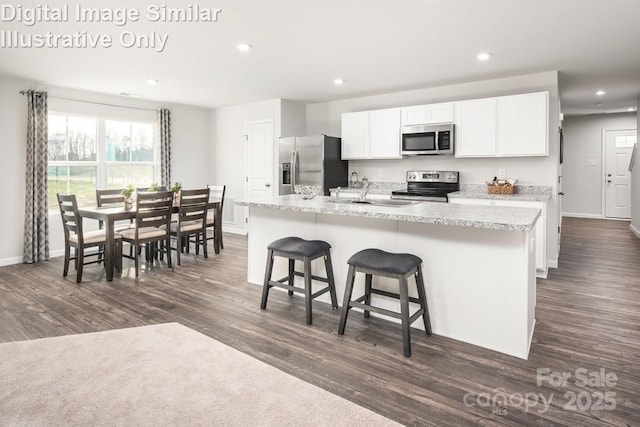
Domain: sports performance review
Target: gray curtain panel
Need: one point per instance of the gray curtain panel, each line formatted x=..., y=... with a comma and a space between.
x=164, y=127
x=36, y=218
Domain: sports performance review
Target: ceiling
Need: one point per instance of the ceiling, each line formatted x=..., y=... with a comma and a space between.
x=376, y=46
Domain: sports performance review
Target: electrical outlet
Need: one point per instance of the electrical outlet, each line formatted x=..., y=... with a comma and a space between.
x=502, y=173
x=379, y=174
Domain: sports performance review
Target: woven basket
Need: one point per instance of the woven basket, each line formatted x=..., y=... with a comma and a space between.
x=501, y=189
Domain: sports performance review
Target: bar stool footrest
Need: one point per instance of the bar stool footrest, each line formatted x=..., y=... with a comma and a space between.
x=318, y=278
x=378, y=310
x=393, y=295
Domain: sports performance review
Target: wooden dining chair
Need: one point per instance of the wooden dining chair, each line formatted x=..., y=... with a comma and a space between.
x=148, y=189
x=75, y=237
x=113, y=198
x=192, y=221
x=216, y=193
x=153, y=217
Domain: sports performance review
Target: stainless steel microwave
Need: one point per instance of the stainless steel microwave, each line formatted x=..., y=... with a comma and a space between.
x=424, y=140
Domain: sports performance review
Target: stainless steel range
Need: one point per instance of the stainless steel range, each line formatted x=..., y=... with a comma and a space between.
x=430, y=186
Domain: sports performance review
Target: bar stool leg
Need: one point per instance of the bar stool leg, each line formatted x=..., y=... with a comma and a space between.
x=351, y=275
x=368, y=278
x=307, y=288
x=292, y=263
x=422, y=295
x=404, y=311
x=267, y=277
x=332, y=284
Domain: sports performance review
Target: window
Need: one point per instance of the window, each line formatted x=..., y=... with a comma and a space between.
x=86, y=153
x=626, y=141
x=130, y=154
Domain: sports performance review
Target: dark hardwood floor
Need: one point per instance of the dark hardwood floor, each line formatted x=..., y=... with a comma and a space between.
x=588, y=320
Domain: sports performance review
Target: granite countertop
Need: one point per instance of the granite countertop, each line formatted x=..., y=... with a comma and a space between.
x=524, y=193
x=522, y=197
x=487, y=217
x=376, y=187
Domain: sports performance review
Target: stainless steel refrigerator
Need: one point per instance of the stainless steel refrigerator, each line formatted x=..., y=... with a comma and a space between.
x=311, y=160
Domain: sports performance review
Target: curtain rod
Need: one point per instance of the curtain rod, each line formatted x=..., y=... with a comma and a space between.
x=23, y=92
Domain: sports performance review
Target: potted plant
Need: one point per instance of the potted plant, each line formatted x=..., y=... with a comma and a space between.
x=127, y=193
x=154, y=187
x=176, y=187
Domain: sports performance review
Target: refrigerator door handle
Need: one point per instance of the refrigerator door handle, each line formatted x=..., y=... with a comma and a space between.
x=294, y=167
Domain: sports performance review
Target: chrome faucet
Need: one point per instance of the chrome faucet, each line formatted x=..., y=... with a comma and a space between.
x=365, y=188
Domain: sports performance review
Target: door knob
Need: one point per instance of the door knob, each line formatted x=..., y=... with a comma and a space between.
x=267, y=185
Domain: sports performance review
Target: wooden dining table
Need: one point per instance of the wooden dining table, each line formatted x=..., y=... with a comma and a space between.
x=110, y=214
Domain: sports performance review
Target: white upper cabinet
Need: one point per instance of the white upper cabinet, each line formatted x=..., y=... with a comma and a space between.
x=355, y=135
x=384, y=134
x=506, y=126
x=428, y=114
x=371, y=135
x=523, y=125
x=475, y=132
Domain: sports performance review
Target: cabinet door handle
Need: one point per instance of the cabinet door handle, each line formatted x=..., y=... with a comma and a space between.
x=561, y=193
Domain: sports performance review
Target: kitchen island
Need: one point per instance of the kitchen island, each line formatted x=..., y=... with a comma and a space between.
x=478, y=261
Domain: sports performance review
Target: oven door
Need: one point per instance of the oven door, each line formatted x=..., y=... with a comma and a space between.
x=419, y=143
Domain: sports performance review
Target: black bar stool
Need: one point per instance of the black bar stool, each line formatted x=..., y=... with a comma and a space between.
x=295, y=248
x=398, y=266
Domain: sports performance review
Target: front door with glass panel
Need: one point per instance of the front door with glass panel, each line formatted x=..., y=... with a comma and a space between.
x=617, y=180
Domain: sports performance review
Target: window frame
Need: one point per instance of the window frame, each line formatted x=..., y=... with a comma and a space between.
x=101, y=164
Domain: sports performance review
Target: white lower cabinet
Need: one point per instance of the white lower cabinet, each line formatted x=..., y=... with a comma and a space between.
x=540, y=229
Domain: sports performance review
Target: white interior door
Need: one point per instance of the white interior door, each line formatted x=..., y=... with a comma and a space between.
x=258, y=159
x=617, y=179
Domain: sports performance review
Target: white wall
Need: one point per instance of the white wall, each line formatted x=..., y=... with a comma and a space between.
x=13, y=135
x=635, y=183
x=293, y=116
x=189, y=162
x=227, y=157
x=326, y=118
x=582, y=182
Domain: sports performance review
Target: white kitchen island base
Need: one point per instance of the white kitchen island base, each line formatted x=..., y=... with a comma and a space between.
x=480, y=283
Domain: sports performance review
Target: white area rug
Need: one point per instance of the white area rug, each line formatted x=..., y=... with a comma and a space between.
x=158, y=375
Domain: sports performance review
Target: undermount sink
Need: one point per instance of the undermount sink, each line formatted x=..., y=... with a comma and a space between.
x=378, y=202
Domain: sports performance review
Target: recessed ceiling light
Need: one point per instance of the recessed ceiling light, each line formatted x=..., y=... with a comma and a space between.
x=152, y=82
x=338, y=82
x=483, y=56
x=244, y=47
x=631, y=109
x=600, y=92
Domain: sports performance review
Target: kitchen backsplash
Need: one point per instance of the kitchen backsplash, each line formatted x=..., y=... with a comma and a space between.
x=383, y=187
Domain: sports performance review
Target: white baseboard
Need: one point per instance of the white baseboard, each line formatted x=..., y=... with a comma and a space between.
x=10, y=261
x=552, y=263
x=635, y=230
x=233, y=230
x=18, y=259
x=581, y=215
x=542, y=274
